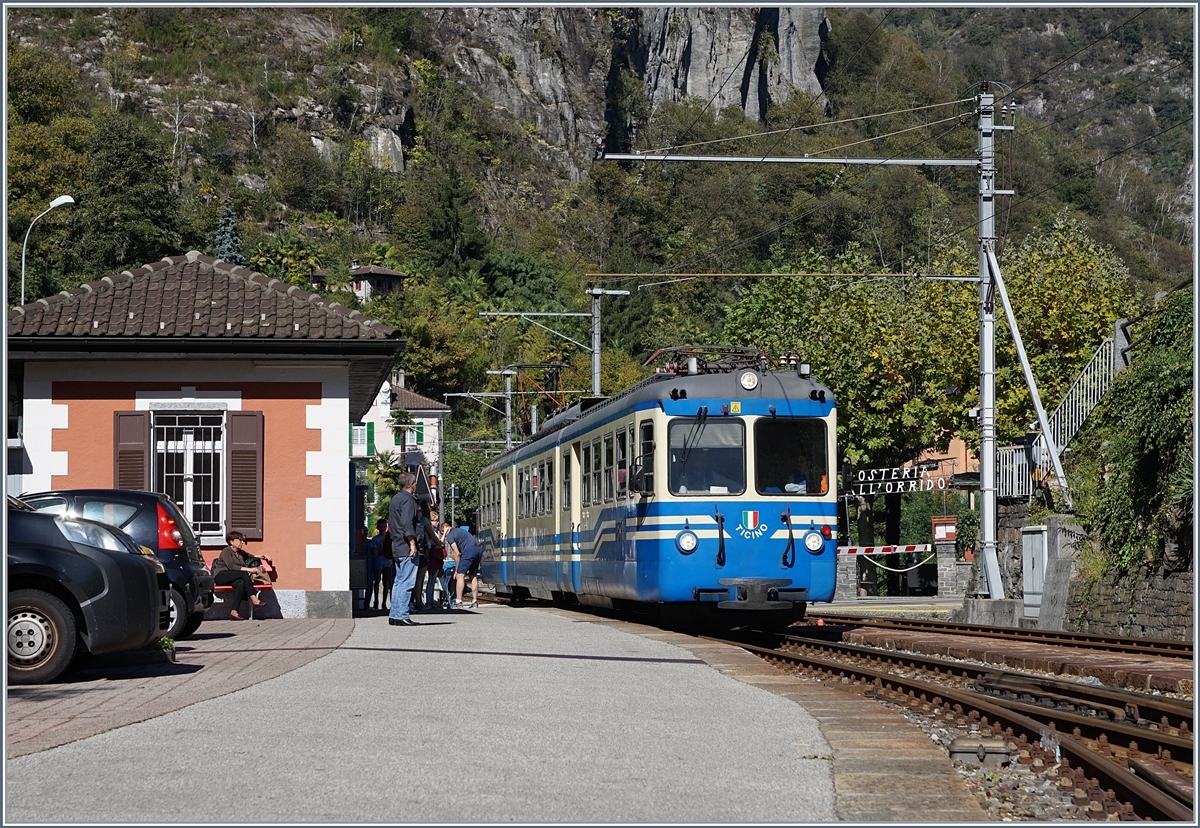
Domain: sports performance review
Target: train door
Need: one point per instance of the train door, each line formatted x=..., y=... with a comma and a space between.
x=573, y=503
x=644, y=480
x=504, y=528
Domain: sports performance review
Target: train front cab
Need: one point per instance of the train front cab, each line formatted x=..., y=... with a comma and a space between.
x=751, y=536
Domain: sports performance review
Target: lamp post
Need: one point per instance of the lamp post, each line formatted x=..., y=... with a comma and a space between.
x=58, y=202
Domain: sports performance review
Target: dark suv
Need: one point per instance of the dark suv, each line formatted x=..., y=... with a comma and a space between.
x=76, y=587
x=154, y=521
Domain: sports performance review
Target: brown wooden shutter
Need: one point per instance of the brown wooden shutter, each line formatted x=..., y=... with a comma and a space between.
x=244, y=473
x=131, y=450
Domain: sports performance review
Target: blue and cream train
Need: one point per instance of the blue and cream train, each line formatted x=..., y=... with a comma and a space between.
x=705, y=492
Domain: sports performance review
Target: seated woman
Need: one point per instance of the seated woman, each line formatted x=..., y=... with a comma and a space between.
x=233, y=567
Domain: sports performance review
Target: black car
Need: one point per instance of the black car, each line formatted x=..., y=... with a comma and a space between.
x=76, y=587
x=154, y=521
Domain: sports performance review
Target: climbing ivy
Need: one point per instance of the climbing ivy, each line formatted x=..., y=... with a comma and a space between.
x=1133, y=459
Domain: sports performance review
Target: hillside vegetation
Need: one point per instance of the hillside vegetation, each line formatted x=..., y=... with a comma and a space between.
x=327, y=136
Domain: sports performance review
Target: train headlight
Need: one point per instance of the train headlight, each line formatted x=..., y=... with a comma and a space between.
x=749, y=380
x=687, y=542
x=813, y=542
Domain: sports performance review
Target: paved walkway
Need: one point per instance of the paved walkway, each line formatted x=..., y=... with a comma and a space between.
x=497, y=715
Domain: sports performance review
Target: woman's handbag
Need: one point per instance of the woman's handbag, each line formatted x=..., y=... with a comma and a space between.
x=268, y=575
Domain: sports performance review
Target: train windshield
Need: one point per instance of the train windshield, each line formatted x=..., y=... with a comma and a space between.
x=707, y=457
x=791, y=457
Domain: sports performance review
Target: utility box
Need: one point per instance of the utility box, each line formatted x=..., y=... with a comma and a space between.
x=1033, y=568
x=945, y=529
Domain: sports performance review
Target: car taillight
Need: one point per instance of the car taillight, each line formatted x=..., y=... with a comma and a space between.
x=169, y=535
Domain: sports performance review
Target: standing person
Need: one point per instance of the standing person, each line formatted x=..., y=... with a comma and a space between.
x=404, y=524
x=429, y=546
x=469, y=555
x=233, y=567
x=378, y=562
x=437, y=555
x=389, y=572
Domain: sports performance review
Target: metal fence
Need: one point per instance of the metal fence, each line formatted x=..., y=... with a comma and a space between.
x=1018, y=466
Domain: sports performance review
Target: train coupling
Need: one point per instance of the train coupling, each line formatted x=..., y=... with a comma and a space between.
x=760, y=594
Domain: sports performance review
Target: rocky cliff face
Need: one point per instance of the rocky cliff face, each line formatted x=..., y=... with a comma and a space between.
x=545, y=67
x=548, y=67
x=748, y=58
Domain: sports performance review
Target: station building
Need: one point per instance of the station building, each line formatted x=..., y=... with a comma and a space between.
x=229, y=391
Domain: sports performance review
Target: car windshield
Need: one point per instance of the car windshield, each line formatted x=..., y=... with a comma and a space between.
x=790, y=456
x=707, y=457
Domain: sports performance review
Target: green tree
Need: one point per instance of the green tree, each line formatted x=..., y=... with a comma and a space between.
x=302, y=178
x=229, y=240
x=1067, y=291
x=463, y=469
x=894, y=351
x=287, y=257
x=41, y=85
x=129, y=214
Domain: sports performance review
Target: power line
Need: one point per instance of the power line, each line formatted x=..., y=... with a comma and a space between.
x=798, y=127
x=1092, y=168
x=870, y=173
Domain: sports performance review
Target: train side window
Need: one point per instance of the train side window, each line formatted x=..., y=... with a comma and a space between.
x=520, y=493
x=632, y=460
x=566, y=480
x=550, y=484
x=596, y=470
x=608, y=468
x=646, y=457
x=585, y=477
x=541, y=489
x=621, y=464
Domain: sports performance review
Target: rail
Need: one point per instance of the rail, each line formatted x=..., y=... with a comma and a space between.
x=1116, y=792
x=1156, y=647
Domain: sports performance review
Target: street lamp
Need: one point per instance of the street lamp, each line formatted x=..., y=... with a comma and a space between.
x=58, y=202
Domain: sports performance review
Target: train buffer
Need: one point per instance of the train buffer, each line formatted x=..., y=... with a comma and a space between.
x=758, y=593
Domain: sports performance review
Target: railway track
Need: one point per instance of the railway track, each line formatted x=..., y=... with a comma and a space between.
x=1114, y=754
x=1113, y=644
x=1118, y=754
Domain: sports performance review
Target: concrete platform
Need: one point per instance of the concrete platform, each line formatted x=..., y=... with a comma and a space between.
x=528, y=715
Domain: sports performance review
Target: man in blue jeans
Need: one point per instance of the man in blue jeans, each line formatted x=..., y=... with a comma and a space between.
x=469, y=554
x=404, y=524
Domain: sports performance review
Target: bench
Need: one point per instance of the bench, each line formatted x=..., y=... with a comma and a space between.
x=227, y=589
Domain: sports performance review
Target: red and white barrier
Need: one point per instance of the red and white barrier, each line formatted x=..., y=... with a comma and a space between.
x=883, y=550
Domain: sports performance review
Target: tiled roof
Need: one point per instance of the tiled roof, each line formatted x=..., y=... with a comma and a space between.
x=412, y=401
x=193, y=296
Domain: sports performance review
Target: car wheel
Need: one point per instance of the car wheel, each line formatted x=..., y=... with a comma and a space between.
x=41, y=637
x=179, y=614
x=192, y=624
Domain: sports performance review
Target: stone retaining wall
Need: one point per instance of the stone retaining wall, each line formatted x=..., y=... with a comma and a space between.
x=1152, y=604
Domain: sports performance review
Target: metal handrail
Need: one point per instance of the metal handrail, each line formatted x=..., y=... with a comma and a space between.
x=1014, y=471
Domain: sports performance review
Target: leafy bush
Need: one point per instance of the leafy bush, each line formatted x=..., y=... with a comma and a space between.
x=1133, y=459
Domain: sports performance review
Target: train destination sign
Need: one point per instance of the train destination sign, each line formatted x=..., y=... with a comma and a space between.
x=896, y=481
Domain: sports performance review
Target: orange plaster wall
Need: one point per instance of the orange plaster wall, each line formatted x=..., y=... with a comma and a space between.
x=88, y=441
